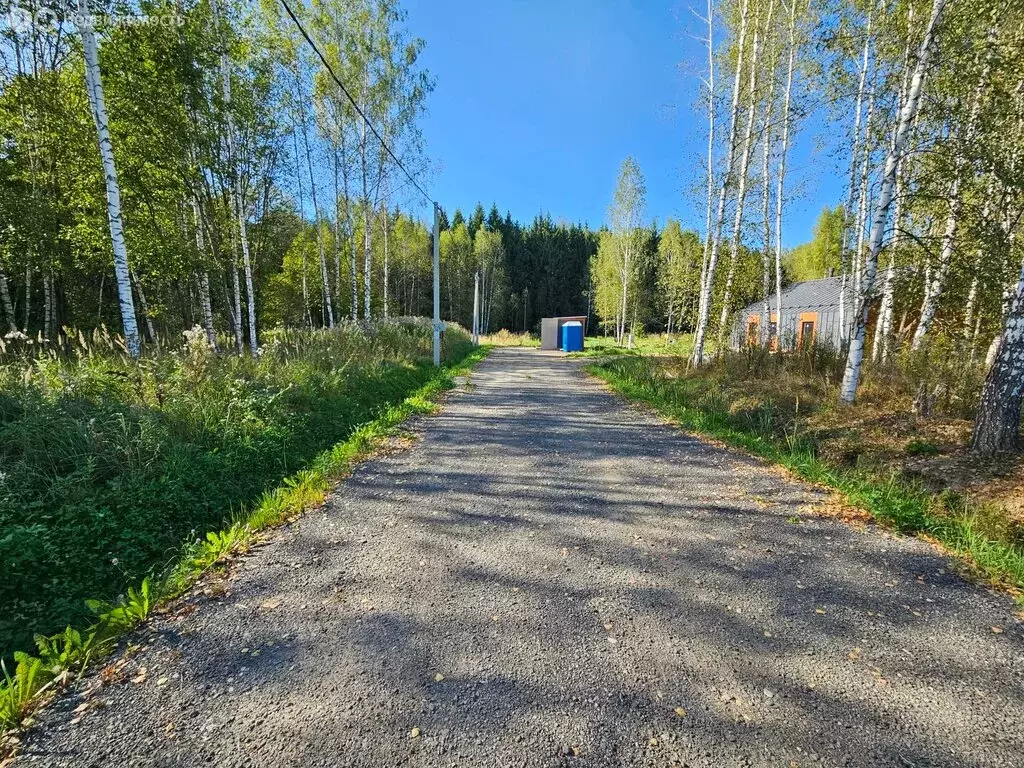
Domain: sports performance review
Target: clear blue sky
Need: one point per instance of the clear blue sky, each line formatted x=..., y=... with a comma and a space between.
x=537, y=103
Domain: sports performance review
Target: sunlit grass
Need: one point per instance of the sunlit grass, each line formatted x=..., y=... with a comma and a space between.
x=69, y=652
x=957, y=523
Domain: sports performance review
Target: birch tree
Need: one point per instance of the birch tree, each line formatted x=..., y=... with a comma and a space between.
x=625, y=217
x=715, y=236
x=94, y=86
x=237, y=197
x=935, y=287
x=854, y=156
x=908, y=111
x=787, y=119
x=997, y=423
x=744, y=172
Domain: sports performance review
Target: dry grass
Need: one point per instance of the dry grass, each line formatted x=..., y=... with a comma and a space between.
x=795, y=397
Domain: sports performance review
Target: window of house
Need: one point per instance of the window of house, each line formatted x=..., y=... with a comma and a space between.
x=806, y=333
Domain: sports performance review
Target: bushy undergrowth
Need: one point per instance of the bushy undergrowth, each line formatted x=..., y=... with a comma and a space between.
x=782, y=407
x=109, y=466
x=506, y=338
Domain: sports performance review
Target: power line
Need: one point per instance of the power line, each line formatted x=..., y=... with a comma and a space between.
x=344, y=90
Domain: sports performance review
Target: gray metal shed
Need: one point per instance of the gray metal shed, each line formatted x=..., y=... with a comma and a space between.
x=551, y=330
x=810, y=313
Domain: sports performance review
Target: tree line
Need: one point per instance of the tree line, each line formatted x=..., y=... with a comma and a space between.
x=209, y=171
x=167, y=164
x=930, y=97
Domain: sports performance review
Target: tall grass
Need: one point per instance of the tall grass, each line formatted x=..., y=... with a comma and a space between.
x=107, y=465
x=63, y=656
x=696, y=401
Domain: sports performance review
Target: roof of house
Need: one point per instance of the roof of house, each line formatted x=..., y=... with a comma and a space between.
x=811, y=294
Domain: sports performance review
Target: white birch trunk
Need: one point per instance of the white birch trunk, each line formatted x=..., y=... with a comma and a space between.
x=862, y=193
x=626, y=266
x=979, y=257
x=855, y=353
x=766, y=204
x=783, y=154
x=306, y=316
x=94, y=85
x=236, y=296
x=708, y=278
x=854, y=157
x=997, y=424
x=337, y=232
x=387, y=225
x=204, y=297
x=238, y=199
x=5, y=297
x=883, y=330
x=28, y=296
x=711, y=142
x=741, y=193
x=367, y=242
x=350, y=226
x=321, y=252
x=204, y=278
x=47, y=305
x=144, y=306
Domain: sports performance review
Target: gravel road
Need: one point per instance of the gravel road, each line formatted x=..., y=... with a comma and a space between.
x=551, y=577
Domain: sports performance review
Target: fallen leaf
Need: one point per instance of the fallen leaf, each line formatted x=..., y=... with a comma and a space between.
x=271, y=604
x=819, y=610
x=680, y=711
x=854, y=655
x=438, y=677
x=414, y=733
x=163, y=681
x=997, y=630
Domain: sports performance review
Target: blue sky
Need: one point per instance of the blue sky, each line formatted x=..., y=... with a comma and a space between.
x=537, y=104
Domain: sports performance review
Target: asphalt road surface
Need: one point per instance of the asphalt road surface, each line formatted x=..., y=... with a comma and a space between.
x=551, y=577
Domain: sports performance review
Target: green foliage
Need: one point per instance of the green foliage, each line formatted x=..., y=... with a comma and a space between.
x=109, y=465
x=696, y=404
x=922, y=448
x=70, y=651
x=823, y=254
x=18, y=689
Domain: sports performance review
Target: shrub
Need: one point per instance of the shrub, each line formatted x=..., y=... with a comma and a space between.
x=109, y=465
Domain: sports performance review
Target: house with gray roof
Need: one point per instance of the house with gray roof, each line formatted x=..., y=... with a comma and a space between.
x=810, y=314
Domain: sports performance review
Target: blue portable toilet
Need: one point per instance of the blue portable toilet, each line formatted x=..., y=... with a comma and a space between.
x=572, y=336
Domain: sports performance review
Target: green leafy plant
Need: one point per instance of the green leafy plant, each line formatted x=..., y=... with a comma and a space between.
x=922, y=448
x=18, y=690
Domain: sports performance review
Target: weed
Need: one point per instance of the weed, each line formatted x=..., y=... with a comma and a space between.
x=109, y=465
x=922, y=448
x=70, y=651
x=698, y=404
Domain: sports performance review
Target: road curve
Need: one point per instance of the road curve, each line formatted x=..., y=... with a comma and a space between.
x=550, y=577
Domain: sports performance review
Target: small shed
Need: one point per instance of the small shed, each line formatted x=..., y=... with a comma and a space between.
x=551, y=330
x=810, y=314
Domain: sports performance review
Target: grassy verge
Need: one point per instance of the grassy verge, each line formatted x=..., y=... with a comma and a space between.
x=108, y=464
x=677, y=345
x=64, y=656
x=960, y=525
